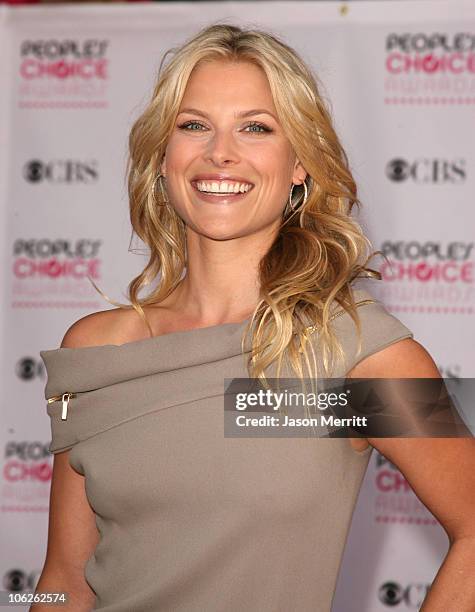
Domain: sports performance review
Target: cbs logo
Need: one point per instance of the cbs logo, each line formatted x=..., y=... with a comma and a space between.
x=426, y=170
x=28, y=368
x=60, y=171
x=411, y=595
x=16, y=580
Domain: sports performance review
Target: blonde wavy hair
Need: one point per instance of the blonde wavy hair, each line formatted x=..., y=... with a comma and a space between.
x=318, y=251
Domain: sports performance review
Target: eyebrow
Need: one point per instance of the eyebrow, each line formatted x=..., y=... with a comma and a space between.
x=249, y=113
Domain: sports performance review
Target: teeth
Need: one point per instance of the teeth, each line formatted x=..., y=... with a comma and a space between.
x=223, y=187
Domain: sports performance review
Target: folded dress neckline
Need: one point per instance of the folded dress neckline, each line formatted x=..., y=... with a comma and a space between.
x=85, y=368
x=79, y=369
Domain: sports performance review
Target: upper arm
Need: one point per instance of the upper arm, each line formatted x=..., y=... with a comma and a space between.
x=441, y=471
x=72, y=530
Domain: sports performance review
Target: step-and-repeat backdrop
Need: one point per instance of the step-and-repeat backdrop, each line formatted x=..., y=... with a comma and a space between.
x=400, y=78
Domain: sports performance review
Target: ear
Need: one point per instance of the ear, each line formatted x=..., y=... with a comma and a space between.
x=299, y=174
x=163, y=166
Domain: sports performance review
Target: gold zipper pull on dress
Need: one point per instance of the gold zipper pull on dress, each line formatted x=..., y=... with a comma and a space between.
x=65, y=399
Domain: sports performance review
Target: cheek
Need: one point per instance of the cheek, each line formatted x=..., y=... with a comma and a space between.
x=274, y=162
x=180, y=153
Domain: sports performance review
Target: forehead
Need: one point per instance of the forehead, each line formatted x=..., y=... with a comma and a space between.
x=219, y=83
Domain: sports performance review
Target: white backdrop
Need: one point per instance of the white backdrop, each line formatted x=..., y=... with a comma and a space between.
x=400, y=78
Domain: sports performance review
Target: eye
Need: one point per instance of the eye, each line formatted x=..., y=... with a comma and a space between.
x=184, y=126
x=261, y=127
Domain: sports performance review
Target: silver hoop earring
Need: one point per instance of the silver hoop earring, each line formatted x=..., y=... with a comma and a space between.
x=292, y=206
x=165, y=201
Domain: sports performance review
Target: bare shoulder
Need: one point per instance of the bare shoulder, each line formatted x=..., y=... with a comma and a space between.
x=113, y=326
x=405, y=358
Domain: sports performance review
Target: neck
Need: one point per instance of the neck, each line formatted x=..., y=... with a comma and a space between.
x=221, y=284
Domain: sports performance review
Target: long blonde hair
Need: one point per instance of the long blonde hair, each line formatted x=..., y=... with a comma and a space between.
x=318, y=251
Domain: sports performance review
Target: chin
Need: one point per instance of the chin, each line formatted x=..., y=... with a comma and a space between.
x=220, y=231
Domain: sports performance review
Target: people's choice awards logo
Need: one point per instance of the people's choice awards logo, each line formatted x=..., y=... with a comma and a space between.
x=429, y=68
x=55, y=272
x=26, y=476
x=394, y=501
x=56, y=73
x=428, y=276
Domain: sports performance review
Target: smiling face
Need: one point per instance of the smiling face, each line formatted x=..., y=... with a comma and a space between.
x=212, y=140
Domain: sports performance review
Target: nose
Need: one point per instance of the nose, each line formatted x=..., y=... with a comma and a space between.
x=222, y=149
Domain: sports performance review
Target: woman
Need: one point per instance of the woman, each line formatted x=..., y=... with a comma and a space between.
x=240, y=188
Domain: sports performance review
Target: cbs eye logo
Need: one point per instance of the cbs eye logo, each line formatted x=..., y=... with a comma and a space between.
x=16, y=580
x=412, y=595
x=34, y=171
x=28, y=368
x=390, y=593
x=398, y=170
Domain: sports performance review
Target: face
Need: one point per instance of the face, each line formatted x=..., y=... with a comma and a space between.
x=213, y=141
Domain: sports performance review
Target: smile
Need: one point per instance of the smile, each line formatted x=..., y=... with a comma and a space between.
x=214, y=191
x=222, y=186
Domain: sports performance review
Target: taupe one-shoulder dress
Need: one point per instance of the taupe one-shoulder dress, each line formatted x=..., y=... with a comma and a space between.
x=190, y=520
